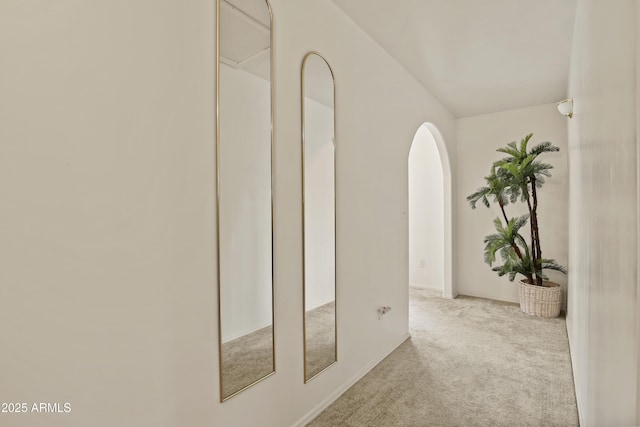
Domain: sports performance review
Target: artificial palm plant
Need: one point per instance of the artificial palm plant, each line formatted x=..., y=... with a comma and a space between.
x=518, y=176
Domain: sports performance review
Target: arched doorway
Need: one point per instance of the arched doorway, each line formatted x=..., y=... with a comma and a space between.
x=430, y=216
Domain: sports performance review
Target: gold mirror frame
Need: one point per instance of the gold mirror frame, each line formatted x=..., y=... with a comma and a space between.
x=224, y=398
x=308, y=378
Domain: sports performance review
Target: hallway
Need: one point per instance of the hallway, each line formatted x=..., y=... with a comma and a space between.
x=469, y=362
x=183, y=191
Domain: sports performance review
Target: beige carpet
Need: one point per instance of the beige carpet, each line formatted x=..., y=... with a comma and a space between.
x=246, y=360
x=320, y=334
x=250, y=357
x=469, y=362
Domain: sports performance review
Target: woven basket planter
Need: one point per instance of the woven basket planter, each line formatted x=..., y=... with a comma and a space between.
x=541, y=301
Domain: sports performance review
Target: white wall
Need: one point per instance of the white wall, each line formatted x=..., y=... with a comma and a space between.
x=426, y=213
x=107, y=230
x=603, y=244
x=378, y=108
x=638, y=208
x=478, y=139
x=245, y=203
x=320, y=266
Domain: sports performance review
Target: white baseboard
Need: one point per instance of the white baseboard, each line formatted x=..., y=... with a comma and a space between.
x=247, y=331
x=431, y=288
x=340, y=390
x=450, y=296
x=575, y=382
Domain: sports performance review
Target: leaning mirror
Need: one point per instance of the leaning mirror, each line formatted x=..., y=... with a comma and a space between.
x=244, y=196
x=319, y=224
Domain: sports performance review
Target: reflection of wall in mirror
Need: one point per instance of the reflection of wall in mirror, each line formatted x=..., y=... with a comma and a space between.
x=245, y=215
x=319, y=205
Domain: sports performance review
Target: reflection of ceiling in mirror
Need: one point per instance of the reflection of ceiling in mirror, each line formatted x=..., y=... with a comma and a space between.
x=245, y=36
x=257, y=9
x=318, y=83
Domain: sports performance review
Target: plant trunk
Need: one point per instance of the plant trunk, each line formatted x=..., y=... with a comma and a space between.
x=534, y=226
x=535, y=231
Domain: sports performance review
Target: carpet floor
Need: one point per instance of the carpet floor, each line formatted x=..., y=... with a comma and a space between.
x=250, y=357
x=469, y=362
x=246, y=360
x=320, y=326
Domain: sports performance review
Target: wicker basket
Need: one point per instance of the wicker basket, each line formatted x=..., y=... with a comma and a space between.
x=541, y=301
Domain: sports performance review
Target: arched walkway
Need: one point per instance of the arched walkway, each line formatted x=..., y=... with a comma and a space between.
x=430, y=238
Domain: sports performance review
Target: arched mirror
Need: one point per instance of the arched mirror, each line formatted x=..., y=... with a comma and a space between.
x=319, y=219
x=244, y=196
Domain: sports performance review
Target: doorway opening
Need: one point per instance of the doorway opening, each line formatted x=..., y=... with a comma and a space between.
x=430, y=218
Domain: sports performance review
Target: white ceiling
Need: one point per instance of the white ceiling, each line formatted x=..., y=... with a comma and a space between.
x=318, y=81
x=476, y=56
x=245, y=36
x=245, y=45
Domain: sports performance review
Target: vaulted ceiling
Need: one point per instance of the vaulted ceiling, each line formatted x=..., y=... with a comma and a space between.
x=476, y=56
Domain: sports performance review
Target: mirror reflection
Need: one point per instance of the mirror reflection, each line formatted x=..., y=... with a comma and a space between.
x=244, y=145
x=318, y=157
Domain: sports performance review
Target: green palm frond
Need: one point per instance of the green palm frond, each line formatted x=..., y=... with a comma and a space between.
x=495, y=188
x=517, y=176
x=505, y=239
x=550, y=264
x=511, y=149
x=480, y=195
x=544, y=147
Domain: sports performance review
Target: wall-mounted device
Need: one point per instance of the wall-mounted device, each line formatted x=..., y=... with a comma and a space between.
x=382, y=311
